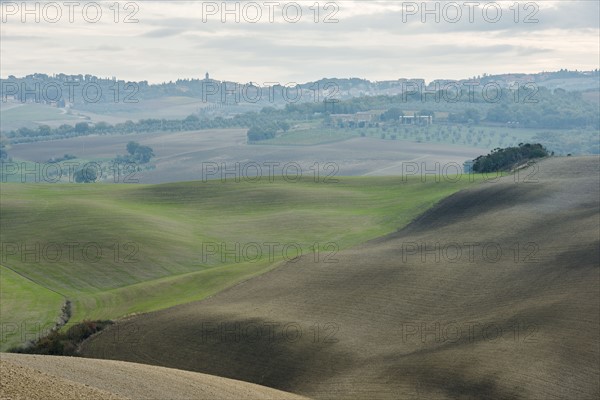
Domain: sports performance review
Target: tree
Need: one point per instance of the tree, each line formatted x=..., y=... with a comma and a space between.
x=44, y=130
x=81, y=127
x=283, y=125
x=265, y=132
x=102, y=127
x=143, y=154
x=138, y=153
x=472, y=115
x=85, y=175
x=508, y=158
x=393, y=114
x=132, y=147
x=191, y=118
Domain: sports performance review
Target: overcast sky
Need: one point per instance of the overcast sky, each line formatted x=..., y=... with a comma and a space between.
x=367, y=39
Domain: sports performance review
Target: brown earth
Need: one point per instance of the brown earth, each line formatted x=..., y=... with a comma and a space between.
x=514, y=316
x=33, y=377
x=24, y=383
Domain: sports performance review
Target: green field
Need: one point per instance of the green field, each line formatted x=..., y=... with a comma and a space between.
x=115, y=250
x=26, y=308
x=311, y=136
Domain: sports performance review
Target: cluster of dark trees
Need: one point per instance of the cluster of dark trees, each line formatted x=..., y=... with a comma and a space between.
x=136, y=153
x=267, y=130
x=508, y=158
x=85, y=175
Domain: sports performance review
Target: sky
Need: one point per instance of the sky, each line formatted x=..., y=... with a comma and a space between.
x=288, y=42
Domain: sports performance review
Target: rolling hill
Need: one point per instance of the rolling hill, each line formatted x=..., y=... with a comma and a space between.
x=116, y=250
x=493, y=293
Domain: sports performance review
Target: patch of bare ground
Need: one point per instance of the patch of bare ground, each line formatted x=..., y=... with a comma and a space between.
x=33, y=377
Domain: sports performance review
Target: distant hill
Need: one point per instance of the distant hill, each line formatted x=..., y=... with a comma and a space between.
x=111, y=94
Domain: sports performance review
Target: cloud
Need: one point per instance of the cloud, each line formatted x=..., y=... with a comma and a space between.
x=20, y=37
x=162, y=33
x=108, y=48
x=372, y=39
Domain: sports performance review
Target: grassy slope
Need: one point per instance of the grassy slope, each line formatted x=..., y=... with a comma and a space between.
x=168, y=224
x=23, y=301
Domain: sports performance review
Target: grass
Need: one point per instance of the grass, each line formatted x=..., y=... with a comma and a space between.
x=114, y=250
x=26, y=308
x=311, y=136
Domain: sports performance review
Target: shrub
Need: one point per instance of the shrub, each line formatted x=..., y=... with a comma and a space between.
x=63, y=343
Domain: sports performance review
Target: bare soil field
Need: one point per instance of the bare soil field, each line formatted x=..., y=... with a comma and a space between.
x=494, y=293
x=186, y=156
x=30, y=377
